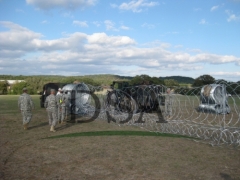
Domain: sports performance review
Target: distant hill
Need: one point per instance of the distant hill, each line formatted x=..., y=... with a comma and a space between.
x=180, y=79
x=100, y=79
x=103, y=79
x=110, y=76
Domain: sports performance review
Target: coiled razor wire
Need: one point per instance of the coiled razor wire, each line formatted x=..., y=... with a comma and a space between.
x=210, y=113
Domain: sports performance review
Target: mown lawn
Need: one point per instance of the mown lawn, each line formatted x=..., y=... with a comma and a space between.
x=101, y=150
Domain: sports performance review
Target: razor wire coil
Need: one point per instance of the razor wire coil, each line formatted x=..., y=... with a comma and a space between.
x=210, y=113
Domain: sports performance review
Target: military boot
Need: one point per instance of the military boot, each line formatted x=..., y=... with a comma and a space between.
x=52, y=129
x=25, y=126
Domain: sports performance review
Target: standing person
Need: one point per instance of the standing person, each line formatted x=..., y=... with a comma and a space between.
x=64, y=104
x=51, y=106
x=25, y=105
x=168, y=104
x=59, y=91
x=59, y=98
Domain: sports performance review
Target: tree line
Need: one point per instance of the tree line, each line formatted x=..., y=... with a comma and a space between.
x=36, y=83
x=231, y=87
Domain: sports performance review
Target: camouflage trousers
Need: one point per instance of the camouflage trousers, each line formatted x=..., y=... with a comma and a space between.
x=59, y=111
x=52, y=117
x=168, y=110
x=62, y=111
x=27, y=116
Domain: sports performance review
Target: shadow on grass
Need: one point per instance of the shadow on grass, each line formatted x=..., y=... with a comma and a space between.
x=226, y=176
x=65, y=126
x=39, y=125
x=73, y=122
x=118, y=133
x=68, y=124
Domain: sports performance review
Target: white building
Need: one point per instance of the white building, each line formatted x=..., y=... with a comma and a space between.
x=11, y=82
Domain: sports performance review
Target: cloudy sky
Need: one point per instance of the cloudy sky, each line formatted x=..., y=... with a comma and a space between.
x=122, y=37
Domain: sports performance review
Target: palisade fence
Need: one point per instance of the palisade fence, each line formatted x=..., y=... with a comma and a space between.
x=210, y=113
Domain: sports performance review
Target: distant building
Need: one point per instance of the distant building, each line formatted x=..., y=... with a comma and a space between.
x=12, y=82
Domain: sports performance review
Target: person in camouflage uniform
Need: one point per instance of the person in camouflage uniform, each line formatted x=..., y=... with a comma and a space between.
x=25, y=105
x=59, y=97
x=65, y=105
x=51, y=106
x=168, y=104
x=61, y=101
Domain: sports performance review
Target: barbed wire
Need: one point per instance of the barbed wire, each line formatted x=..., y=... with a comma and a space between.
x=210, y=113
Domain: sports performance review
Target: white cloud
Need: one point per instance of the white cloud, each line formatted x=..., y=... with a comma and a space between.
x=214, y=8
x=194, y=50
x=65, y=4
x=68, y=15
x=80, y=23
x=110, y=26
x=226, y=73
x=25, y=40
x=124, y=27
x=232, y=17
x=113, y=5
x=18, y=37
x=234, y=76
x=24, y=51
x=197, y=9
x=203, y=21
x=185, y=67
x=104, y=39
x=97, y=23
x=44, y=22
x=178, y=46
x=149, y=26
x=136, y=5
x=214, y=58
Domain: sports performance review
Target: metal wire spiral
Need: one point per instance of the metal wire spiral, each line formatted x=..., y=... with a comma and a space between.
x=209, y=113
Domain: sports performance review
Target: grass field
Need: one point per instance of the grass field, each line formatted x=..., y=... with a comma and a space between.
x=101, y=150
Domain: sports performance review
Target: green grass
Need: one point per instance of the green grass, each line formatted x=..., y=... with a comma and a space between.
x=234, y=100
x=185, y=85
x=9, y=103
x=118, y=133
x=196, y=99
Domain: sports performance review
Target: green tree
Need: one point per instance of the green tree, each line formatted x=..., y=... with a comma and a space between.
x=145, y=79
x=35, y=84
x=17, y=88
x=156, y=80
x=171, y=82
x=68, y=80
x=140, y=79
x=203, y=80
x=3, y=87
x=90, y=81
